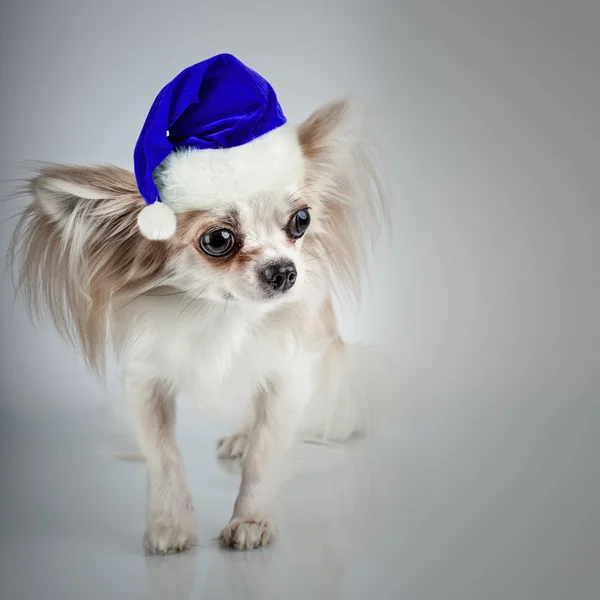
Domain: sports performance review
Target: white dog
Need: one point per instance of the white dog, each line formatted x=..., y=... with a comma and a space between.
x=239, y=295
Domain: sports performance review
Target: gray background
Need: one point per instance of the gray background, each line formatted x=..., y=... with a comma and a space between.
x=488, y=487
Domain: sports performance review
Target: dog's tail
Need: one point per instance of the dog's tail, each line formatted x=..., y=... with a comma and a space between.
x=357, y=393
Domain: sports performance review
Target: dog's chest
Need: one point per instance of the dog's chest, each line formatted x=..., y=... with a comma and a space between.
x=221, y=358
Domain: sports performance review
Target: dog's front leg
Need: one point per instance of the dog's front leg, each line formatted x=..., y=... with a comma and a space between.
x=279, y=407
x=170, y=519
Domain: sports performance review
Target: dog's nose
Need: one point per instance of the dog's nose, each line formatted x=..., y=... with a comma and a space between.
x=280, y=276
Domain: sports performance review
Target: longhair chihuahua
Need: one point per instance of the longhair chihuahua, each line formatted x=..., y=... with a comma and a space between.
x=213, y=268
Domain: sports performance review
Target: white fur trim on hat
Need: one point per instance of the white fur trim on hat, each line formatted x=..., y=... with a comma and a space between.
x=195, y=179
x=157, y=221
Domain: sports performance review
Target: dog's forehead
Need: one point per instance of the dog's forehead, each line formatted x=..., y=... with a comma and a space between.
x=265, y=208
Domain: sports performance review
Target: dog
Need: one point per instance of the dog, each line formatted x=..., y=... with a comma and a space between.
x=241, y=295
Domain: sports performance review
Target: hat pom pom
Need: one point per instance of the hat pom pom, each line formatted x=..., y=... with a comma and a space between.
x=157, y=221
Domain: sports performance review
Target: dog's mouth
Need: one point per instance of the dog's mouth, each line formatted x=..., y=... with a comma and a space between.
x=257, y=296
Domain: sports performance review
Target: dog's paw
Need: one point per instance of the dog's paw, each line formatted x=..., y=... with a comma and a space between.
x=232, y=446
x=245, y=534
x=170, y=535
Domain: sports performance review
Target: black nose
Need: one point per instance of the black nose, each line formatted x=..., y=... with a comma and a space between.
x=280, y=276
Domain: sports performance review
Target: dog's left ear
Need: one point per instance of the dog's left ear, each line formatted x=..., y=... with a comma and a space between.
x=343, y=175
x=342, y=157
x=332, y=132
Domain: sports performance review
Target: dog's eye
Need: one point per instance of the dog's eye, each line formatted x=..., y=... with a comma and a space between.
x=217, y=243
x=299, y=223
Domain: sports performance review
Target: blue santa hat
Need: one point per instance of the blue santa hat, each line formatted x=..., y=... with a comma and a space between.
x=219, y=128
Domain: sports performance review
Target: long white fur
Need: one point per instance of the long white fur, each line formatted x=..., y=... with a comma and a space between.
x=279, y=363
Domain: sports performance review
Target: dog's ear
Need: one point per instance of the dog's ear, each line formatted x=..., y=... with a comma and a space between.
x=332, y=131
x=77, y=245
x=64, y=191
x=344, y=176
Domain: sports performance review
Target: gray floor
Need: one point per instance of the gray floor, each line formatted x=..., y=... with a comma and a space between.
x=439, y=507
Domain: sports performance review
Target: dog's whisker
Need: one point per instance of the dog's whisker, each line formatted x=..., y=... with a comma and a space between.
x=319, y=257
x=202, y=290
x=143, y=293
x=290, y=199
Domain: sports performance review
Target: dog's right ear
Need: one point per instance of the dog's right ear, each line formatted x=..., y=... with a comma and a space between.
x=77, y=245
x=66, y=192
